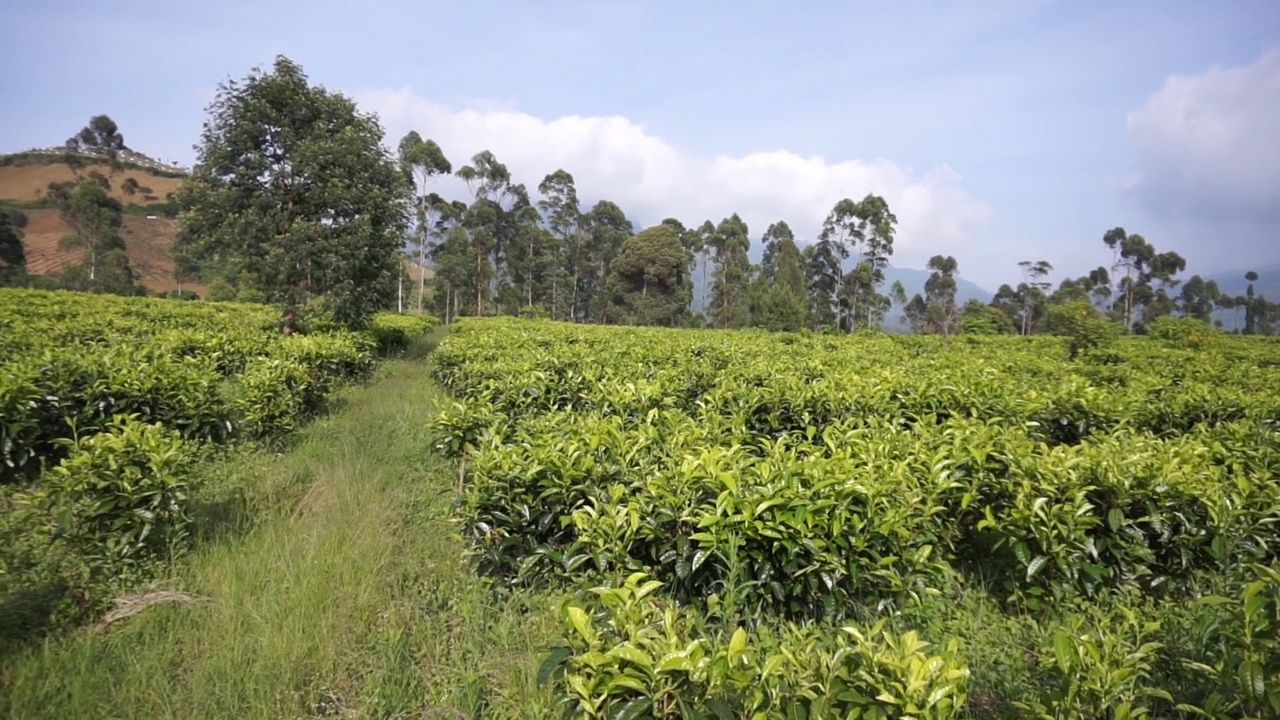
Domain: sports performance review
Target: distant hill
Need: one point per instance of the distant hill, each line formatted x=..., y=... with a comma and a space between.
x=1233, y=282
x=913, y=280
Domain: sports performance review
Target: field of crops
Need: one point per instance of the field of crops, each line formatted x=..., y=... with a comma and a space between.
x=795, y=525
x=106, y=401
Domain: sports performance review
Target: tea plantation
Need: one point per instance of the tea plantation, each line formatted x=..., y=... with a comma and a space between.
x=805, y=526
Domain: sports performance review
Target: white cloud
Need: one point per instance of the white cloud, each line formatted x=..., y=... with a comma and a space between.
x=650, y=179
x=1209, y=145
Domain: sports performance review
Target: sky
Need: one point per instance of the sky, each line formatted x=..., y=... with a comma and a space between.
x=997, y=130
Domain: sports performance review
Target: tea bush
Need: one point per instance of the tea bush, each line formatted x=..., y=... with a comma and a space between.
x=105, y=401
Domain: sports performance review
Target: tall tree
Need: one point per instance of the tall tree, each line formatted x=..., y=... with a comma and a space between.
x=705, y=246
x=822, y=279
x=780, y=301
x=607, y=229
x=1141, y=265
x=936, y=311
x=563, y=215
x=1200, y=298
x=295, y=191
x=422, y=160
x=732, y=273
x=1031, y=291
x=648, y=282
x=865, y=228
x=1250, y=305
x=491, y=221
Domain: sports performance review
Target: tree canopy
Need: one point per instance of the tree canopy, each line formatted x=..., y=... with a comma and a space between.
x=294, y=193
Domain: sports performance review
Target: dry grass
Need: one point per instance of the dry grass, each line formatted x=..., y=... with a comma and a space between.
x=132, y=605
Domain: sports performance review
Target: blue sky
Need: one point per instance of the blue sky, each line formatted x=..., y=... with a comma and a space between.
x=998, y=130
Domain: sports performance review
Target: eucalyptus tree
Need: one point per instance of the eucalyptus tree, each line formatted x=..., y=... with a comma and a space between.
x=13, y=257
x=493, y=196
x=1199, y=298
x=866, y=229
x=563, y=216
x=1141, y=265
x=1032, y=289
x=423, y=160
x=779, y=290
x=936, y=311
x=607, y=229
x=732, y=273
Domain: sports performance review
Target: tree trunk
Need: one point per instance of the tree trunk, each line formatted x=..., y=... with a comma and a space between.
x=573, y=308
x=422, y=273
x=479, y=285
x=702, y=303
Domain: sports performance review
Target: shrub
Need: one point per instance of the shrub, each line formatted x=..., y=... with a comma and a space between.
x=1183, y=332
x=1084, y=327
x=120, y=498
x=393, y=332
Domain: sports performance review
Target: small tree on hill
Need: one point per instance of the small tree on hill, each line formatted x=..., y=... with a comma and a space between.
x=95, y=219
x=13, y=258
x=294, y=193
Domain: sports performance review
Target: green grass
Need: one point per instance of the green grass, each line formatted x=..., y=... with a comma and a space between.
x=337, y=589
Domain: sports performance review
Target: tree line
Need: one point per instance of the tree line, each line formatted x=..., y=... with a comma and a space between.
x=295, y=201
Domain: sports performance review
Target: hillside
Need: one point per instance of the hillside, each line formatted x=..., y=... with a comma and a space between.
x=27, y=183
x=147, y=242
x=1233, y=282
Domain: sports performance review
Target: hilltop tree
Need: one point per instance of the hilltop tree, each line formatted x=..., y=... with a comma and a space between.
x=422, y=160
x=1255, y=308
x=1142, y=265
x=1200, y=298
x=489, y=220
x=866, y=229
x=13, y=258
x=978, y=318
x=101, y=133
x=294, y=192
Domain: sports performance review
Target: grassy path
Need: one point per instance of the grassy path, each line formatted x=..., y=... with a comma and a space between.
x=344, y=595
